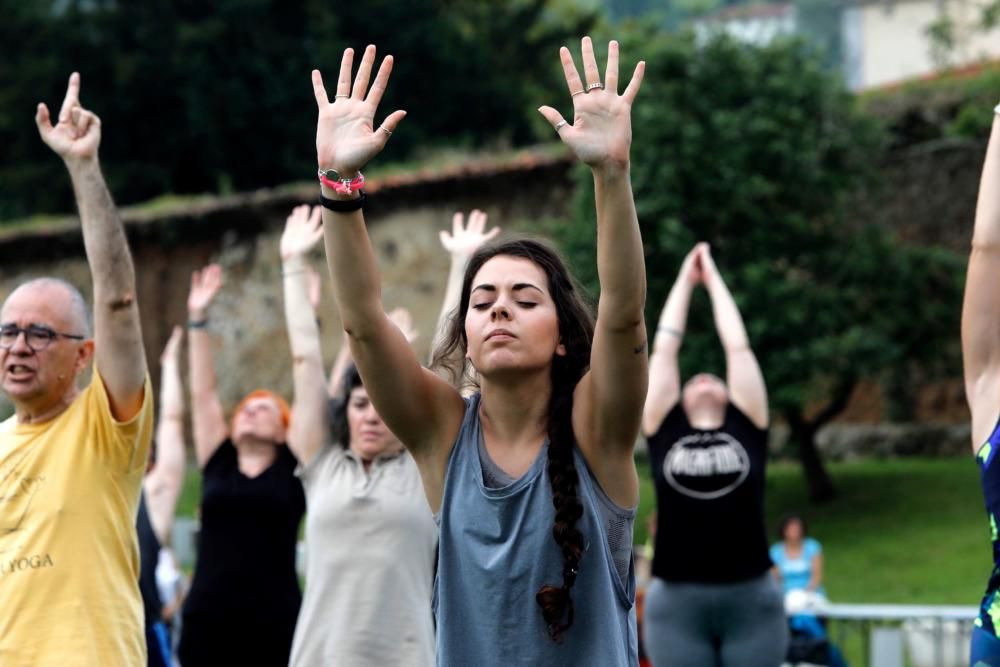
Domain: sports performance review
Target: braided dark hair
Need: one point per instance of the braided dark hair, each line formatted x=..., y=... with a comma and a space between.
x=576, y=331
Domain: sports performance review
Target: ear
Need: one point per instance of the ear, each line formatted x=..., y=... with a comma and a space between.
x=560, y=350
x=83, y=356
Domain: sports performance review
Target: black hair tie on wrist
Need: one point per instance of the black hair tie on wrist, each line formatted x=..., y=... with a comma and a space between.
x=343, y=205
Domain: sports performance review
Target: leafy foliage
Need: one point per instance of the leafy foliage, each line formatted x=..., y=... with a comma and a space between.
x=198, y=96
x=759, y=151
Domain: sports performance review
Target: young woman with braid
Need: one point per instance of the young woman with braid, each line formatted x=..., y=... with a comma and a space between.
x=525, y=571
x=712, y=600
x=981, y=352
x=244, y=595
x=370, y=538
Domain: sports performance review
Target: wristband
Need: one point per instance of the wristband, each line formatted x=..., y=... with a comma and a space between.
x=343, y=205
x=344, y=186
x=198, y=324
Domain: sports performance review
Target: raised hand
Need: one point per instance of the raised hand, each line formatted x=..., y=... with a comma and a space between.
x=205, y=284
x=77, y=132
x=463, y=241
x=402, y=318
x=691, y=269
x=709, y=271
x=303, y=230
x=173, y=347
x=601, y=132
x=346, y=137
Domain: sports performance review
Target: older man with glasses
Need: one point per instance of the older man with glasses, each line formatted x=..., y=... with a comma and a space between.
x=72, y=459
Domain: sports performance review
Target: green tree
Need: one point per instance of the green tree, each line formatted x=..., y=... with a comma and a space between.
x=761, y=152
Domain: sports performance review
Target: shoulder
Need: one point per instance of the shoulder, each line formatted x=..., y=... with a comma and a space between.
x=223, y=459
x=777, y=551
x=675, y=420
x=737, y=418
x=813, y=547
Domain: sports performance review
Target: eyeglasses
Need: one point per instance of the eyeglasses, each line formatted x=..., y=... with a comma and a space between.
x=36, y=336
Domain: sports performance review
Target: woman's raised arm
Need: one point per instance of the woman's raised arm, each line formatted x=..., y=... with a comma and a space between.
x=423, y=410
x=981, y=310
x=664, y=374
x=608, y=400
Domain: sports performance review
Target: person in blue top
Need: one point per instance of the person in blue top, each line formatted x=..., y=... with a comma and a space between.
x=981, y=355
x=532, y=478
x=798, y=558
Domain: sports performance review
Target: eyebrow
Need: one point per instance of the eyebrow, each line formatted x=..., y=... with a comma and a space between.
x=486, y=287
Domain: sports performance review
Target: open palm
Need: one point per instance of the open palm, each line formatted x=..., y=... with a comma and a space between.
x=346, y=137
x=303, y=230
x=601, y=131
x=205, y=284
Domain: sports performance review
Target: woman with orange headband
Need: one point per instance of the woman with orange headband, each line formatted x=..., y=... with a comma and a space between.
x=245, y=594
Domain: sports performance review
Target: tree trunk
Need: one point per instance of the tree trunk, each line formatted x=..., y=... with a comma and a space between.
x=819, y=485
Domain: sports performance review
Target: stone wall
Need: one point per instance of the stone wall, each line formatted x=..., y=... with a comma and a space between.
x=241, y=232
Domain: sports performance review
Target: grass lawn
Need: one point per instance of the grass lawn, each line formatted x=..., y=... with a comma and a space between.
x=904, y=531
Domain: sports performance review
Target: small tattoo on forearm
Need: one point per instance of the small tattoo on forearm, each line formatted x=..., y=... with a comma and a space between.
x=640, y=348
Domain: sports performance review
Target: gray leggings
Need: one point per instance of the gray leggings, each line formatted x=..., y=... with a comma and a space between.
x=715, y=625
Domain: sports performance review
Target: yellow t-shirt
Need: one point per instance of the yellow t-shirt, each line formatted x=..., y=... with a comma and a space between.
x=69, y=561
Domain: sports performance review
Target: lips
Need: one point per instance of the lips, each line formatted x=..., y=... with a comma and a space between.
x=502, y=334
x=19, y=372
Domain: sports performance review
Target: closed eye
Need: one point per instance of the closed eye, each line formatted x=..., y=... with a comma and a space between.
x=527, y=304
x=481, y=306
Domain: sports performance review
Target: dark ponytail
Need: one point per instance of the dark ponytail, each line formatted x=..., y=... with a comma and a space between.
x=576, y=331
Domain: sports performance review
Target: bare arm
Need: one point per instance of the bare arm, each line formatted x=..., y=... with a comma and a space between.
x=207, y=419
x=461, y=244
x=164, y=482
x=664, y=375
x=419, y=407
x=607, y=406
x=309, y=428
x=981, y=309
x=816, y=579
x=746, y=383
x=121, y=358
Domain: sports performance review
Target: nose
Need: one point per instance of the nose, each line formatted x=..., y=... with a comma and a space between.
x=20, y=345
x=499, y=312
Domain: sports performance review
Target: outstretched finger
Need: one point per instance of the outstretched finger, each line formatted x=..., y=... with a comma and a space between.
x=390, y=123
x=633, y=86
x=477, y=221
x=364, y=74
x=554, y=117
x=569, y=70
x=590, y=71
x=72, y=98
x=490, y=235
x=319, y=90
x=456, y=224
x=381, y=81
x=611, y=72
x=42, y=119
x=316, y=218
x=344, y=77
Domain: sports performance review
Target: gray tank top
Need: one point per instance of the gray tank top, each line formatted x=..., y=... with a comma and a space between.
x=496, y=550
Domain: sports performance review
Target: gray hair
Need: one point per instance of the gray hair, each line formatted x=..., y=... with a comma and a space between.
x=79, y=311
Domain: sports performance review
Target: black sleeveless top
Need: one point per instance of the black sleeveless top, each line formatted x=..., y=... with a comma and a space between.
x=710, y=499
x=247, y=540
x=149, y=554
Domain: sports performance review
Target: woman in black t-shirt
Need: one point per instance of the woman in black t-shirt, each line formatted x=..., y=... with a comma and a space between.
x=245, y=595
x=712, y=600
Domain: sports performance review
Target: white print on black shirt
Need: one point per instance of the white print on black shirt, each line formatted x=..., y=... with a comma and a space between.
x=706, y=465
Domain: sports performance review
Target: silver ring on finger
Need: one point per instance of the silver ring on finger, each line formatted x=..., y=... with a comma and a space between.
x=561, y=124
x=594, y=86
x=337, y=97
x=387, y=131
x=579, y=92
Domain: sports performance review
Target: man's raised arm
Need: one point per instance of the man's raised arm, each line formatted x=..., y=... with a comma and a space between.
x=121, y=359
